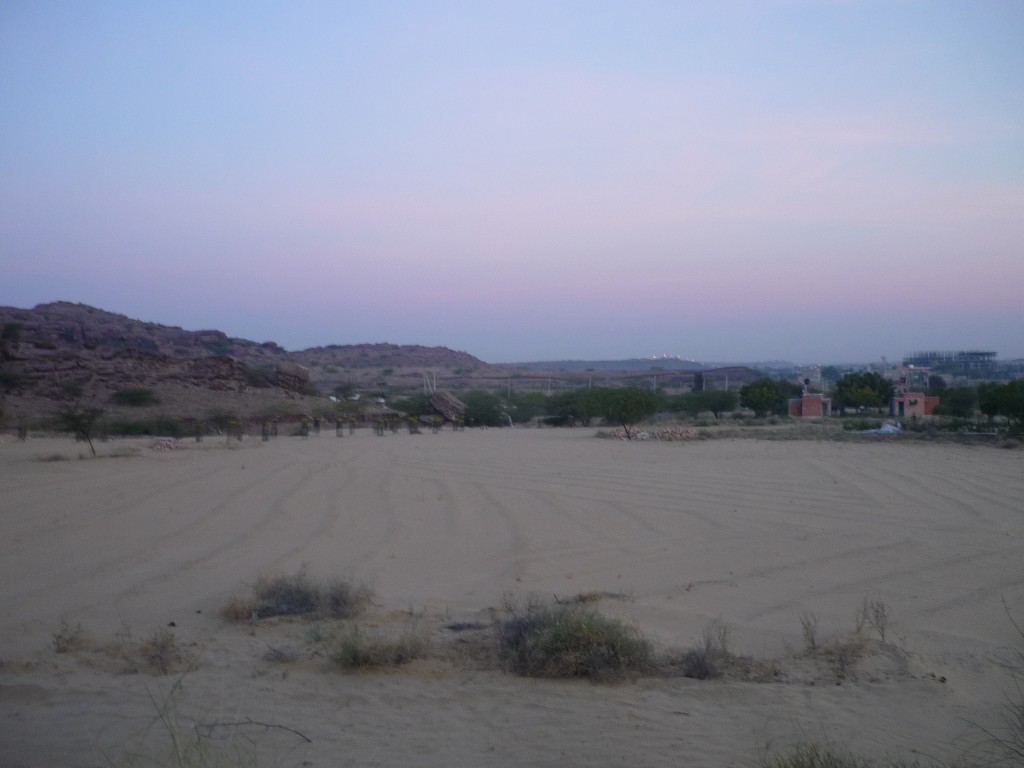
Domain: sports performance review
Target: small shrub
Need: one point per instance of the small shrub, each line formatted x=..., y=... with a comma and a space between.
x=358, y=649
x=135, y=397
x=159, y=426
x=1007, y=742
x=158, y=654
x=861, y=425
x=861, y=616
x=161, y=652
x=810, y=755
x=844, y=656
x=341, y=600
x=809, y=628
x=298, y=596
x=566, y=641
x=708, y=660
x=286, y=596
x=878, y=617
x=68, y=638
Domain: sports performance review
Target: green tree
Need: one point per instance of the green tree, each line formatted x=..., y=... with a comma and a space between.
x=414, y=405
x=1004, y=400
x=344, y=390
x=830, y=373
x=763, y=396
x=80, y=421
x=958, y=401
x=483, y=409
x=524, y=406
x=571, y=407
x=865, y=389
x=936, y=384
x=718, y=401
x=625, y=406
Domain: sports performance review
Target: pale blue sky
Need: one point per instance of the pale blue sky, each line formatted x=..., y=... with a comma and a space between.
x=803, y=179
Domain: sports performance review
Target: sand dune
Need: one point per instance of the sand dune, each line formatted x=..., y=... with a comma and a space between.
x=752, y=533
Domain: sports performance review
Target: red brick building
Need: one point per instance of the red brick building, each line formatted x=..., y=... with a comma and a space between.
x=907, y=404
x=810, y=406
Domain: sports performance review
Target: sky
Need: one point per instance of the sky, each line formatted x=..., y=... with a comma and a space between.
x=741, y=180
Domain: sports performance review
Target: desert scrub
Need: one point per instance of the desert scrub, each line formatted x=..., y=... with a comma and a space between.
x=810, y=755
x=68, y=638
x=709, y=659
x=360, y=648
x=298, y=595
x=160, y=651
x=1007, y=742
x=875, y=614
x=565, y=641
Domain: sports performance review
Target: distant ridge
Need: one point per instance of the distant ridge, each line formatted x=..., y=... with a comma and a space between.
x=66, y=326
x=632, y=364
x=59, y=351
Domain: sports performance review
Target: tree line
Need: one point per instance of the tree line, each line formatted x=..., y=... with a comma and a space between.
x=766, y=396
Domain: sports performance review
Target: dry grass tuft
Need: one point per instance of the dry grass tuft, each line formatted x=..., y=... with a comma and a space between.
x=359, y=648
x=810, y=755
x=160, y=651
x=69, y=638
x=709, y=659
x=298, y=595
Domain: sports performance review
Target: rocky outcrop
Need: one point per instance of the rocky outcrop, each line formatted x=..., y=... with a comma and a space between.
x=56, y=350
x=292, y=376
x=448, y=406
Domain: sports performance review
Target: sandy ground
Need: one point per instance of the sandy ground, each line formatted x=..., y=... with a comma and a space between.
x=748, y=532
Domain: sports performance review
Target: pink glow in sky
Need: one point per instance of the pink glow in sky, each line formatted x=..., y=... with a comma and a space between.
x=730, y=180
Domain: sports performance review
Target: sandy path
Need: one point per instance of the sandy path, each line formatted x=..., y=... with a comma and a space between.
x=749, y=532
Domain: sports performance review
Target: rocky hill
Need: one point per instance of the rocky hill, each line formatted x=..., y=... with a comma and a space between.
x=61, y=351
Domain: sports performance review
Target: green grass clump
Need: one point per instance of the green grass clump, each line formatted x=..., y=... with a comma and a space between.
x=298, y=595
x=567, y=641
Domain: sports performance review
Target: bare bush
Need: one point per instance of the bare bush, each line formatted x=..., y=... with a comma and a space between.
x=809, y=628
x=708, y=660
x=878, y=617
x=861, y=616
x=1008, y=741
x=161, y=652
x=68, y=638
